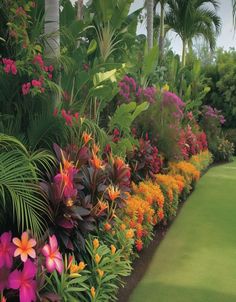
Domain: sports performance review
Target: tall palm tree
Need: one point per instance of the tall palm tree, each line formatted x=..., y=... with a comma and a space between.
x=234, y=12
x=149, y=7
x=52, y=27
x=191, y=19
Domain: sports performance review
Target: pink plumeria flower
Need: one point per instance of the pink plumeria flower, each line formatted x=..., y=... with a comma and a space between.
x=53, y=256
x=24, y=281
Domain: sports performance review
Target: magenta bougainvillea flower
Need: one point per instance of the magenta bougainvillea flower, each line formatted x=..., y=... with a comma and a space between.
x=24, y=281
x=53, y=256
x=26, y=88
x=6, y=250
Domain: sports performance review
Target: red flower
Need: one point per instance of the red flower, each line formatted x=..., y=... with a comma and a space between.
x=139, y=245
x=38, y=59
x=6, y=250
x=24, y=281
x=10, y=66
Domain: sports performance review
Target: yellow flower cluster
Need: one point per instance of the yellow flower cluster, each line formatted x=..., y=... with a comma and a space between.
x=186, y=169
x=202, y=160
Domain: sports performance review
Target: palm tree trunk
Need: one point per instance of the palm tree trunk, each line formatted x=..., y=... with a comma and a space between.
x=149, y=6
x=52, y=28
x=80, y=9
x=184, y=53
x=183, y=63
x=162, y=33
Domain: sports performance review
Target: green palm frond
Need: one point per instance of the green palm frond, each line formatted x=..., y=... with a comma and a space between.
x=19, y=185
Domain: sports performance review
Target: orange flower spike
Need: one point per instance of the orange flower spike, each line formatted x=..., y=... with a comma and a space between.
x=86, y=137
x=100, y=273
x=95, y=243
x=97, y=258
x=129, y=234
x=93, y=292
x=77, y=268
x=113, y=192
x=123, y=227
x=113, y=249
x=24, y=247
x=96, y=162
x=96, y=149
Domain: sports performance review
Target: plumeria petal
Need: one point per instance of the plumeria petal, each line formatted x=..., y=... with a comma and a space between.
x=59, y=265
x=50, y=264
x=16, y=241
x=46, y=250
x=31, y=253
x=53, y=243
x=31, y=243
x=24, y=256
x=24, y=238
x=17, y=252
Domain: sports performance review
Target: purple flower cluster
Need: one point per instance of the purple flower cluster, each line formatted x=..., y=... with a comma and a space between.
x=172, y=100
x=211, y=112
x=130, y=91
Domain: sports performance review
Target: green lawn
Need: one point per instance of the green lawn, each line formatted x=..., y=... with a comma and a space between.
x=196, y=262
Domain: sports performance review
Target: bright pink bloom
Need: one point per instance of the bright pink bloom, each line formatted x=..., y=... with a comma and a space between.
x=10, y=66
x=50, y=76
x=53, y=256
x=36, y=83
x=26, y=88
x=6, y=250
x=38, y=59
x=24, y=281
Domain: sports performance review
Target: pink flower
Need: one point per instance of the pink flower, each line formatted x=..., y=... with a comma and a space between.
x=10, y=66
x=6, y=250
x=24, y=281
x=50, y=68
x=36, y=83
x=39, y=60
x=53, y=256
x=26, y=88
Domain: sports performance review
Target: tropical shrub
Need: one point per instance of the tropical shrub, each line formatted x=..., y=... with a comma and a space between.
x=225, y=150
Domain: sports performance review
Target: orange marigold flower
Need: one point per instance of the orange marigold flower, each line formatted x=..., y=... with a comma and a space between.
x=113, y=249
x=139, y=245
x=95, y=243
x=129, y=234
x=107, y=226
x=123, y=227
x=97, y=258
x=93, y=292
x=100, y=272
x=24, y=247
x=86, y=137
x=113, y=192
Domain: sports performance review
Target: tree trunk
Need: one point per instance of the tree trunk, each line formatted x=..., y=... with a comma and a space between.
x=184, y=53
x=149, y=6
x=183, y=63
x=162, y=33
x=52, y=28
x=80, y=9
